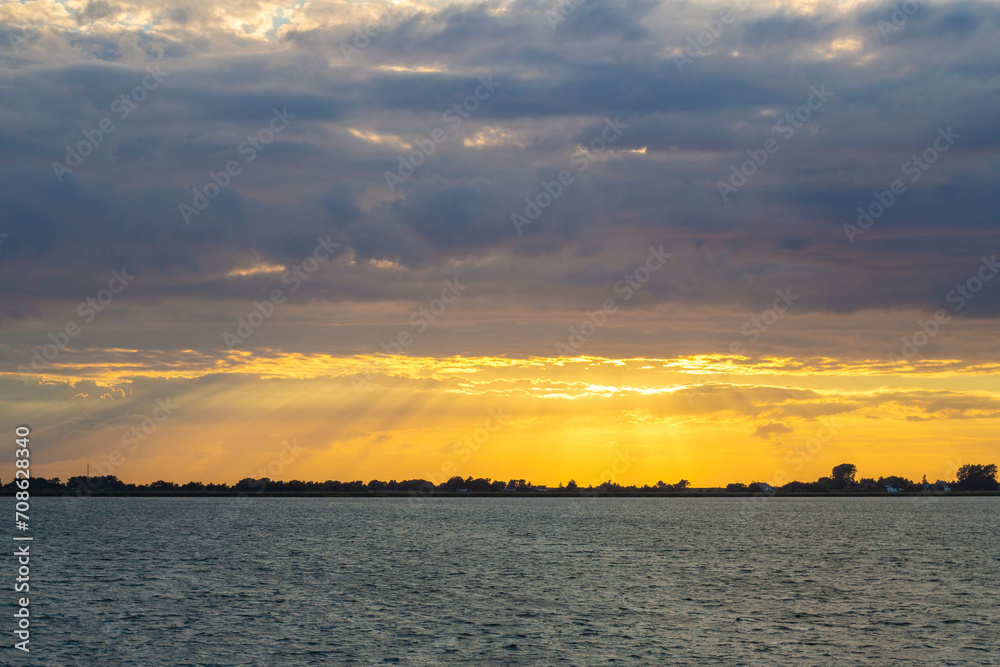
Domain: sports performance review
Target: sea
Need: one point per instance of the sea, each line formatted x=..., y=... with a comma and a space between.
x=510, y=581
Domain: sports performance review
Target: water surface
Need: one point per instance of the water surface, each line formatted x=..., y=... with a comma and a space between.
x=540, y=581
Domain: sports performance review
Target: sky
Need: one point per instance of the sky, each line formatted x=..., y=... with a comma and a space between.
x=619, y=240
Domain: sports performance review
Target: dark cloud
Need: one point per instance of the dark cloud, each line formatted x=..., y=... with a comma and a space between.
x=772, y=429
x=325, y=173
x=97, y=9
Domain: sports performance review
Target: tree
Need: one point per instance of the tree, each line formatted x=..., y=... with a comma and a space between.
x=454, y=484
x=39, y=483
x=105, y=483
x=823, y=485
x=478, y=484
x=797, y=487
x=571, y=485
x=977, y=477
x=843, y=475
x=251, y=485
x=681, y=485
x=736, y=487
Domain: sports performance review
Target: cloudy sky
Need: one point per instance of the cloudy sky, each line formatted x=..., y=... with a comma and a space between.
x=609, y=239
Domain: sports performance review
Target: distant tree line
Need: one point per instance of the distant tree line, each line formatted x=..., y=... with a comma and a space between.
x=109, y=484
x=842, y=479
x=972, y=477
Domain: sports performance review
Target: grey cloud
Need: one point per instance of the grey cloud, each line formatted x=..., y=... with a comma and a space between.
x=608, y=59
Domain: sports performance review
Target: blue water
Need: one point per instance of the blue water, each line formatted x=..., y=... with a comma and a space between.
x=560, y=581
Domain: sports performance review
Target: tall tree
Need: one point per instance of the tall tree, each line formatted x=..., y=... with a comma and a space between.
x=843, y=475
x=979, y=477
